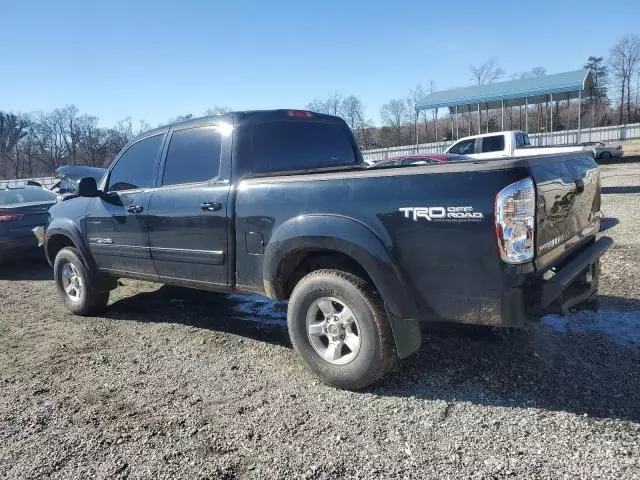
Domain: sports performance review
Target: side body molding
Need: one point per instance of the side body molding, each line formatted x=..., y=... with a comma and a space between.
x=354, y=239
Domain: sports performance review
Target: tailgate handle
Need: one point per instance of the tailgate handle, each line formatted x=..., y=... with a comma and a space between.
x=579, y=186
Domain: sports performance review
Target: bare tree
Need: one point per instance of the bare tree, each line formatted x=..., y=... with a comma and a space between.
x=331, y=106
x=395, y=117
x=12, y=130
x=624, y=61
x=217, y=110
x=352, y=111
x=93, y=141
x=49, y=133
x=486, y=74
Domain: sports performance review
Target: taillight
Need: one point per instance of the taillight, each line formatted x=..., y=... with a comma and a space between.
x=9, y=216
x=515, y=221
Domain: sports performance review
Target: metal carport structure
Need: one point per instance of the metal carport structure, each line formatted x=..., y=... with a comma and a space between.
x=514, y=93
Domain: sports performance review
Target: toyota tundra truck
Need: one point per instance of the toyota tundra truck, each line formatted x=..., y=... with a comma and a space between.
x=280, y=203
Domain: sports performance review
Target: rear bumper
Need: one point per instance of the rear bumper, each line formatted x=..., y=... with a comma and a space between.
x=583, y=270
x=571, y=287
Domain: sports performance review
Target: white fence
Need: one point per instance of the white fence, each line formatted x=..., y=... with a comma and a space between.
x=598, y=134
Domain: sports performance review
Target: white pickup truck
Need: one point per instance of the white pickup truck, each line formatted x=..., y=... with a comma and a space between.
x=513, y=143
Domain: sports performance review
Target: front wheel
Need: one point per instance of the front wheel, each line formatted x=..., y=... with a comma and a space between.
x=74, y=285
x=338, y=326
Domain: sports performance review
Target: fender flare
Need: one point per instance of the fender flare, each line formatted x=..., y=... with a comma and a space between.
x=356, y=240
x=67, y=228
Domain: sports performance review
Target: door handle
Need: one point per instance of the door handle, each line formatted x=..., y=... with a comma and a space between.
x=579, y=186
x=210, y=206
x=135, y=209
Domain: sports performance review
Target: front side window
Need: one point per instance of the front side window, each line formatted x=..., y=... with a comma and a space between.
x=465, y=147
x=494, y=143
x=134, y=169
x=292, y=145
x=193, y=156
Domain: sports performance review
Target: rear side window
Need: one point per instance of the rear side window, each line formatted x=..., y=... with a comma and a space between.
x=193, y=156
x=291, y=145
x=464, y=147
x=134, y=169
x=494, y=143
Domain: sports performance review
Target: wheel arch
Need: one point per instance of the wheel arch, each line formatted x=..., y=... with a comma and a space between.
x=63, y=233
x=307, y=243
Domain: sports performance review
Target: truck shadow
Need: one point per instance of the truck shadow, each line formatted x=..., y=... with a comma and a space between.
x=34, y=268
x=246, y=315
x=608, y=223
x=584, y=364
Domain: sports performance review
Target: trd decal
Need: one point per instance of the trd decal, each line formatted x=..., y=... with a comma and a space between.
x=451, y=214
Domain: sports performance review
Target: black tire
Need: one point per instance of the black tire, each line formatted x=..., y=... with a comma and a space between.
x=605, y=156
x=376, y=354
x=90, y=301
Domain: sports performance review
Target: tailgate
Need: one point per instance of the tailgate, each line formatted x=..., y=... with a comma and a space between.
x=568, y=204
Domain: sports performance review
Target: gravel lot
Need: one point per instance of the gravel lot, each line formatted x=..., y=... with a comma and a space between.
x=174, y=383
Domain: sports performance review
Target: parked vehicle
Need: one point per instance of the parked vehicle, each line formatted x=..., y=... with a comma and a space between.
x=280, y=203
x=418, y=160
x=70, y=175
x=503, y=145
x=603, y=151
x=21, y=210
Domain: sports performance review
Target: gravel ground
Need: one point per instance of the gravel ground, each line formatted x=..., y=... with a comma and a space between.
x=173, y=383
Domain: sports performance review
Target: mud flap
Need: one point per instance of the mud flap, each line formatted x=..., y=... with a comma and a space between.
x=406, y=334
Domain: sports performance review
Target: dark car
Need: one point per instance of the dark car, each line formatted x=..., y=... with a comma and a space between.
x=602, y=150
x=280, y=203
x=417, y=160
x=21, y=210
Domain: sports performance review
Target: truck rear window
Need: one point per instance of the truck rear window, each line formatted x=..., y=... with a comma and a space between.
x=296, y=145
x=494, y=143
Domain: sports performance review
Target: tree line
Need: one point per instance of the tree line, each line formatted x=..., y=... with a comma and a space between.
x=36, y=144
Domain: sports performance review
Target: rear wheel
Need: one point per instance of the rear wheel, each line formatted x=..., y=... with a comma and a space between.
x=340, y=330
x=605, y=155
x=74, y=285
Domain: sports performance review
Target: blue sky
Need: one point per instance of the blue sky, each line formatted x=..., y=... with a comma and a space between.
x=155, y=60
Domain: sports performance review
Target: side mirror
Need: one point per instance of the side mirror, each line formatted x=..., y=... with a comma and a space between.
x=87, y=187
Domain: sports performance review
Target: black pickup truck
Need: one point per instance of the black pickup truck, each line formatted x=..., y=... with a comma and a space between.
x=280, y=203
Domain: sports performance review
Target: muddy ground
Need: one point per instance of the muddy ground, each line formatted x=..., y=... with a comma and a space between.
x=172, y=383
